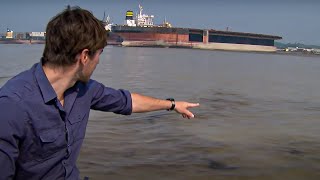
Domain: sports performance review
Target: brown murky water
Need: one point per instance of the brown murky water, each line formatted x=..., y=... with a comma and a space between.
x=259, y=115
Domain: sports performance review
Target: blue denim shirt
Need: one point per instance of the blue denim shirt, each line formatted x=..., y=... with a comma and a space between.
x=40, y=138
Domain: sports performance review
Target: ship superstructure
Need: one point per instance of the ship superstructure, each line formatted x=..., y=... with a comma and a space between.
x=9, y=34
x=142, y=20
x=140, y=30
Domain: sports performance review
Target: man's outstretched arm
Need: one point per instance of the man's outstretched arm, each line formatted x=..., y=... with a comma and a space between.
x=141, y=103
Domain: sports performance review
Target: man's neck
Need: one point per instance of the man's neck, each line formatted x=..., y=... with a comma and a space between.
x=61, y=79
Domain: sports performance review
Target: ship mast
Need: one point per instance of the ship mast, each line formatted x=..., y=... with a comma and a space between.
x=140, y=11
x=107, y=22
x=144, y=19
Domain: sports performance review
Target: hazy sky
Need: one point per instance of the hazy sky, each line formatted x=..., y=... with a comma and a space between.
x=294, y=20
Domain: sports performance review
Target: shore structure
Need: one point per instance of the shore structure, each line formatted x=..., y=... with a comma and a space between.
x=140, y=31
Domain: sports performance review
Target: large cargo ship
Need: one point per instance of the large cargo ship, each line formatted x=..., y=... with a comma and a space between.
x=141, y=31
x=11, y=37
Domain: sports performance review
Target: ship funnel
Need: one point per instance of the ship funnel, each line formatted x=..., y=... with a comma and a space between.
x=129, y=15
x=129, y=18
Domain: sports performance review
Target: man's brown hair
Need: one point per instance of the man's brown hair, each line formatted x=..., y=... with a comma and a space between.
x=70, y=32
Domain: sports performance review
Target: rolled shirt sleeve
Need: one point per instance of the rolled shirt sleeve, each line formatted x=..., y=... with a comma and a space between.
x=12, y=123
x=109, y=99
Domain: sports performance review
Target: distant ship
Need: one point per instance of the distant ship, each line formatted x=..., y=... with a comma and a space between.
x=11, y=37
x=140, y=31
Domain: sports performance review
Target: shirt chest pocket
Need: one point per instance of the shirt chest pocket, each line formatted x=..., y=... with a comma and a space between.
x=78, y=124
x=50, y=142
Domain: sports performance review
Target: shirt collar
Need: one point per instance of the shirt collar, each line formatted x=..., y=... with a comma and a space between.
x=46, y=89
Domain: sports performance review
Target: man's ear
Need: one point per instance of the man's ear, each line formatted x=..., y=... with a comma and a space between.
x=84, y=56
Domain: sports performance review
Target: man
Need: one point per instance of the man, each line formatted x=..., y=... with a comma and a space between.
x=45, y=110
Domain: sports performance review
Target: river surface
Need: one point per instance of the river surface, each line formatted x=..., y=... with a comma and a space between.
x=259, y=115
